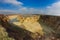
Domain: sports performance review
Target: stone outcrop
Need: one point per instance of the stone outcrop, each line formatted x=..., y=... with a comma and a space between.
x=29, y=22
x=53, y=22
x=23, y=30
x=28, y=27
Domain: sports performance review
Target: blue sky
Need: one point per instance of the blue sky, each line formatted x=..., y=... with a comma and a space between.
x=31, y=6
x=37, y=3
x=29, y=3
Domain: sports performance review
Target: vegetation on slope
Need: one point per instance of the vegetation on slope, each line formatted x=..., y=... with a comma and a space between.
x=4, y=34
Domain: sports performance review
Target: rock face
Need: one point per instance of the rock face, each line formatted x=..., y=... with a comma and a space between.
x=28, y=27
x=30, y=23
x=52, y=21
x=20, y=27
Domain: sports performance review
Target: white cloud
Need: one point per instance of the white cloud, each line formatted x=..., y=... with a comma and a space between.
x=5, y=11
x=54, y=9
x=30, y=10
x=14, y=2
x=23, y=10
x=19, y=7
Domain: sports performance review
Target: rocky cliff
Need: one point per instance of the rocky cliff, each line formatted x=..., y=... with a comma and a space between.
x=29, y=27
x=21, y=27
x=53, y=22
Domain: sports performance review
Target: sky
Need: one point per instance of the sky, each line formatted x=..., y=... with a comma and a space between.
x=50, y=7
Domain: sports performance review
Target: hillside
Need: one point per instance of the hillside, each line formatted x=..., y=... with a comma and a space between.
x=21, y=31
x=4, y=34
x=28, y=27
x=53, y=22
